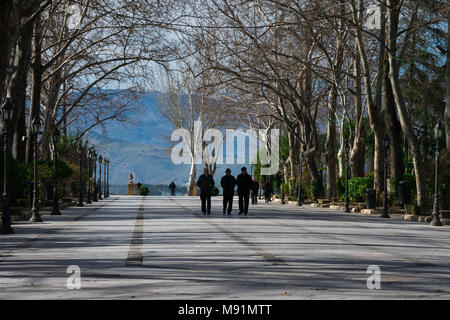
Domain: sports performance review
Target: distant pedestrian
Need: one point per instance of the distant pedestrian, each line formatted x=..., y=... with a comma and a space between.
x=206, y=185
x=268, y=191
x=138, y=185
x=228, y=183
x=172, y=187
x=244, y=183
x=255, y=190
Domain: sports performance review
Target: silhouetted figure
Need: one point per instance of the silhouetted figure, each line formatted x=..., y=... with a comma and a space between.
x=244, y=183
x=172, y=187
x=138, y=185
x=268, y=191
x=206, y=184
x=228, y=183
x=255, y=190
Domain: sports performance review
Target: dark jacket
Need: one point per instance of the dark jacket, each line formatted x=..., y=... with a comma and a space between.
x=228, y=183
x=255, y=187
x=172, y=186
x=244, y=183
x=206, y=184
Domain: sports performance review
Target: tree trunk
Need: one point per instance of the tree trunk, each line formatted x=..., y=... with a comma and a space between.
x=357, y=157
x=446, y=196
x=36, y=85
x=330, y=145
x=447, y=108
x=341, y=153
x=6, y=35
x=393, y=16
x=192, y=179
x=293, y=150
x=18, y=84
x=394, y=130
x=20, y=151
x=374, y=108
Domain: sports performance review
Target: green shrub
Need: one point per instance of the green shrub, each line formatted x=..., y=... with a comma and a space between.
x=143, y=191
x=357, y=187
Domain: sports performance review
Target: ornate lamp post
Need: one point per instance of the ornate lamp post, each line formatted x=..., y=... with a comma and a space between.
x=35, y=216
x=436, y=222
x=7, y=115
x=299, y=191
x=80, y=154
x=105, y=161
x=94, y=161
x=55, y=140
x=89, y=158
x=282, y=182
x=347, y=198
x=100, y=161
x=386, y=143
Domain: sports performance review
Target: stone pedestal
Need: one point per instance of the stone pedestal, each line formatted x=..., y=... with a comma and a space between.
x=131, y=189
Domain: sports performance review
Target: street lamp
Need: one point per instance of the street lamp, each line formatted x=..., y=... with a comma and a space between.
x=55, y=140
x=7, y=115
x=100, y=161
x=105, y=161
x=436, y=222
x=347, y=199
x=80, y=154
x=35, y=216
x=94, y=161
x=282, y=182
x=299, y=191
x=89, y=158
x=386, y=143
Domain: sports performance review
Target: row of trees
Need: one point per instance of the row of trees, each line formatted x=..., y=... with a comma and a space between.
x=328, y=73
x=76, y=64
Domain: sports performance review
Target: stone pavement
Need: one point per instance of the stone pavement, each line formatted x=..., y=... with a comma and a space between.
x=162, y=248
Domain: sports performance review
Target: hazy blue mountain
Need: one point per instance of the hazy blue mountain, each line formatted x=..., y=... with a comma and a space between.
x=144, y=148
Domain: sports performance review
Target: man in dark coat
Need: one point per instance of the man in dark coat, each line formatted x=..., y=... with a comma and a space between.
x=206, y=185
x=244, y=183
x=172, y=187
x=255, y=190
x=228, y=183
x=268, y=190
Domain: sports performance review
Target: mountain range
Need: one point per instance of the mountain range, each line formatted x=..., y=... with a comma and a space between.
x=143, y=148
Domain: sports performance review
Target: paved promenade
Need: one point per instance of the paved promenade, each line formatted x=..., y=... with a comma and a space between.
x=163, y=248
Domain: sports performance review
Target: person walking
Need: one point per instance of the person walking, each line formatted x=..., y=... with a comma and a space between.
x=172, y=187
x=244, y=183
x=206, y=184
x=268, y=191
x=228, y=183
x=255, y=190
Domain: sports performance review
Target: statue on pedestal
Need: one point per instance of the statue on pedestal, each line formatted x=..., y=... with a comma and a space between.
x=131, y=185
